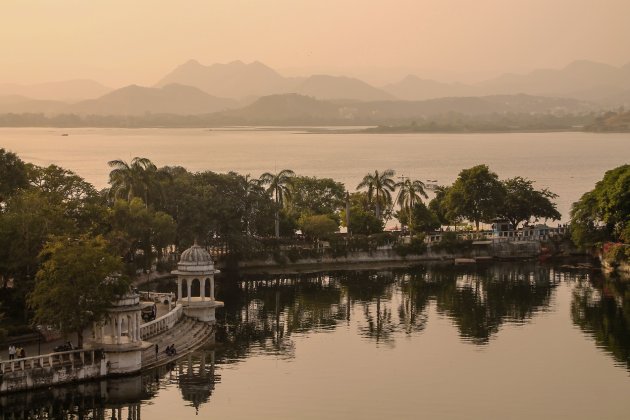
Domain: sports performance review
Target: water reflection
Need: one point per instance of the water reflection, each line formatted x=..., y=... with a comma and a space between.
x=271, y=314
x=601, y=308
x=262, y=313
x=117, y=398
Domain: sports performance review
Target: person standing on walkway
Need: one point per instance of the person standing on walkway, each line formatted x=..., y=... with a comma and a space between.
x=157, y=350
x=11, y=352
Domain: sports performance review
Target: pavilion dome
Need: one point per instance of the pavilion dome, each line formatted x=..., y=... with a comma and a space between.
x=195, y=260
x=196, y=254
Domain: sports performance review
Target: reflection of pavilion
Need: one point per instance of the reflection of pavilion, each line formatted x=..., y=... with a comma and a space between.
x=116, y=398
x=195, y=377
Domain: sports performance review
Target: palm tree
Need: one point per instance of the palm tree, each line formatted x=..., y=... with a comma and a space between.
x=279, y=189
x=409, y=194
x=380, y=188
x=135, y=179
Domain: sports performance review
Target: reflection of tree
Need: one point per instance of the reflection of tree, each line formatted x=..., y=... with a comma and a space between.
x=266, y=312
x=601, y=308
x=479, y=300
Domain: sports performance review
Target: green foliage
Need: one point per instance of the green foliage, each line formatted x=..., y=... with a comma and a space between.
x=451, y=244
x=423, y=220
x=138, y=230
x=140, y=178
x=379, y=189
x=364, y=223
x=438, y=205
x=476, y=195
x=279, y=187
x=13, y=176
x=416, y=246
x=318, y=226
x=76, y=283
x=316, y=196
x=603, y=214
x=522, y=202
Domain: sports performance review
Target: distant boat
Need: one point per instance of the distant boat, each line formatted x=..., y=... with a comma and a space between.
x=64, y=134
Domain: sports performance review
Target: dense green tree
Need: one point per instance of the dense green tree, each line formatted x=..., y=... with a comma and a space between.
x=603, y=214
x=362, y=220
x=476, y=195
x=316, y=196
x=279, y=188
x=140, y=233
x=76, y=284
x=139, y=178
x=423, y=220
x=318, y=226
x=379, y=189
x=13, y=174
x=523, y=203
x=438, y=205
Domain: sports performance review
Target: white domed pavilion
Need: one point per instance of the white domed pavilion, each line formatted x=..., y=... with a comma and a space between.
x=195, y=283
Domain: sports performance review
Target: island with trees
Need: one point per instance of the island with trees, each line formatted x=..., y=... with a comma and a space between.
x=62, y=241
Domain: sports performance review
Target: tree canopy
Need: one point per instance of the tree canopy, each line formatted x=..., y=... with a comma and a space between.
x=523, y=203
x=76, y=283
x=476, y=195
x=603, y=214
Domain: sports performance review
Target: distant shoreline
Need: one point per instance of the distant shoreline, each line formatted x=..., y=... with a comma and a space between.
x=328, y=130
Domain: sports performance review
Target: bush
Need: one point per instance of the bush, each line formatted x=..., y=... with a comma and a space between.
x=615, y=253
x=451, y=244
x=415, y=247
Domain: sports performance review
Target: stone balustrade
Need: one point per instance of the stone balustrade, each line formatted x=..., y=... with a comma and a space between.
x=161, y=324
x=527, y=234
x=64, y=358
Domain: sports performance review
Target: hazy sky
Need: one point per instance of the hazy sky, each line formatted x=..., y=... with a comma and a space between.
x=119, y=42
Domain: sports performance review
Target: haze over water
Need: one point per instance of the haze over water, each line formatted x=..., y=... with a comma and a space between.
x=569, y=164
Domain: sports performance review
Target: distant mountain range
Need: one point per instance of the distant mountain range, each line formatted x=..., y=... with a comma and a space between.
x=195, y=89
x=137, y=100
x=298, y=109
x=584, y=80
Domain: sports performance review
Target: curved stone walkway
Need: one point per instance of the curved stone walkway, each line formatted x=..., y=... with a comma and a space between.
x=187, y=335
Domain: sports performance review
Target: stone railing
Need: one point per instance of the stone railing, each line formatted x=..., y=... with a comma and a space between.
x=70, y=358
x=158, y=297
x=527, y=234
x=161, y=324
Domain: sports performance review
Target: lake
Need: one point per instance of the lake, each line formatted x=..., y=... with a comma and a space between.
x=568, y=164
x=517, y=341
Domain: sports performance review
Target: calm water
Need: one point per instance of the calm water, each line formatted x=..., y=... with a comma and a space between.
x=567, y=163
x=517, y=341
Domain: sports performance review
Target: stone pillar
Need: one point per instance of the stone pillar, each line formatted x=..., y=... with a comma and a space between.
x=212, y=287
x=179, y=289
x=202, y=289
x=189, y=285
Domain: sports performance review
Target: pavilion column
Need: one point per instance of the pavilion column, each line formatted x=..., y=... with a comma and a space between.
x=179, y=289
x=189, y=285
x=202, y=288
x=138, y=336
x=212, y=287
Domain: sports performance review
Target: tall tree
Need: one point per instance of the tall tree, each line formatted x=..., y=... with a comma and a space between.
x=476, y=195
x=409, y=194
x=379, y=188
x=76, y=284
x=278, y=187
x=523, y=203
x=140, y=178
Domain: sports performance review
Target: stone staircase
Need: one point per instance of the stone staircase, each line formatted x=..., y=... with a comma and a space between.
x=187, y=335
